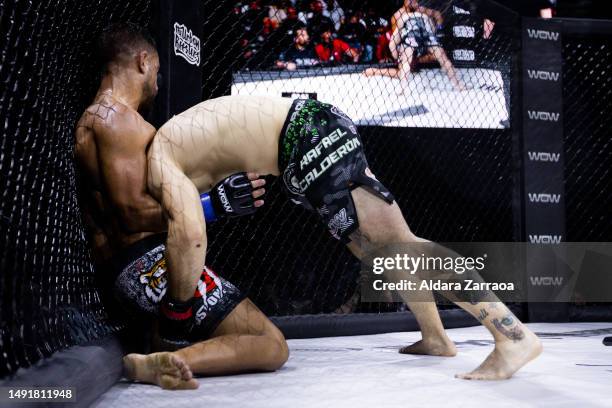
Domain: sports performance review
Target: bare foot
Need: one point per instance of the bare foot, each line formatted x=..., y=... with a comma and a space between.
x=507, y=358
x=443, y=347
x=166, y=369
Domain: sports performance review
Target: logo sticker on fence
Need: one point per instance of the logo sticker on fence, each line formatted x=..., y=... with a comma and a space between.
x=544, y=156
x=186, y=44
x=463, y=31
x=543, y=75
x=544, y=198
x=545, y=116
x=542, y=34
x=459, y=10
x=464, y=55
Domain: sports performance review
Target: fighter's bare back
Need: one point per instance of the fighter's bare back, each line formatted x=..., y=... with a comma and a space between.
x=222, y=136
x=109, y=178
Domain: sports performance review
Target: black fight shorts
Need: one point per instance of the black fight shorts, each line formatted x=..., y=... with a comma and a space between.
x=418, y=33
x=321, y=160
x=141, y=284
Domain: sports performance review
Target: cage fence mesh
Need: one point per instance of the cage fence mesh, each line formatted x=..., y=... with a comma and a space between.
x=587, y=126
x=443, y=148
x=281, y=257
x=587, y=89
x=48, y=296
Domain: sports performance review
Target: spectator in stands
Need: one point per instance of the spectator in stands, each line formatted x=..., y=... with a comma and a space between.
x=383, y=53
x=282, y=38
x=376, y=27
x=277, y=13
x=253, y=17
x=354, y=33
x=332, y=9
x=255, y=34
x=300, y=55
x=332, y=50
x=374, y=21
x=290, y=24
x=316, y=19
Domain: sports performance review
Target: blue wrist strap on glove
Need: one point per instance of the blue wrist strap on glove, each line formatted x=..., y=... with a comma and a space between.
x=209, y=211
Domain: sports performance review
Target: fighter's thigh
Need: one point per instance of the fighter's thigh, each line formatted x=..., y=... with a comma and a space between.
x=380, y=222
x=246, y=318
x=406, y=55
x=438, y=53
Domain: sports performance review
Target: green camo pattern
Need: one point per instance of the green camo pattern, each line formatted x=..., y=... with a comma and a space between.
x=305, y=118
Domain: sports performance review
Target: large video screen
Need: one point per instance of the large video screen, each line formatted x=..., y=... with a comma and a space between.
x=435, y=64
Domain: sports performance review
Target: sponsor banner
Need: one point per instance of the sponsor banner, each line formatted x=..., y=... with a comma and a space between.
x=186, y=44
x=547, y=271
x=178, y=31
x=544, y=239
x=540, y=156
x=544, y=198
x=464, y=55
x=463, y=31
x=459, y=10
x=544, y=116
x=543, y=157
x=552, y=34
x=543, y=75
x=543, y=162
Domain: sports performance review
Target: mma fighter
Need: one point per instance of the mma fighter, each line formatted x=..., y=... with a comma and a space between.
x=127, y=229
x=317, y=151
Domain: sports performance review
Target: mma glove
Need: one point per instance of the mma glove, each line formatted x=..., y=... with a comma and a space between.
x=231, y=197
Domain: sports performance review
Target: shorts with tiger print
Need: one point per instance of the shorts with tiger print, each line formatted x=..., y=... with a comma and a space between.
x=141, y=284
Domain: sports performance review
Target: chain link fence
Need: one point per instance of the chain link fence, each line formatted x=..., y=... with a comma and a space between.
x=587, y=88
x=443, y=147
x=48, y=295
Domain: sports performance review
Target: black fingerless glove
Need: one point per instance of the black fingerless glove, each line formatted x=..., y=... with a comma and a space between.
x=231, y=197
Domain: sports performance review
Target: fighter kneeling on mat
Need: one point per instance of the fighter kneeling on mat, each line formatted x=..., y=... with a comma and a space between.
x=238, y=336
x=127, y=228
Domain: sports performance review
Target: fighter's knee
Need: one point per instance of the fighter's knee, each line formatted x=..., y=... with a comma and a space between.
x=276, y=355
x=392, y=236
x=282, y=354
x=277, y=352
x=386, y=229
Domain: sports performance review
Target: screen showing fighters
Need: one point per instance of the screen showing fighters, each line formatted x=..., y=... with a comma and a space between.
x=429, y=63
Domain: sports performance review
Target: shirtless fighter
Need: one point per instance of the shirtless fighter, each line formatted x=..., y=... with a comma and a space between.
x=317, y=151
x=127, y=227
x=413, y=37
